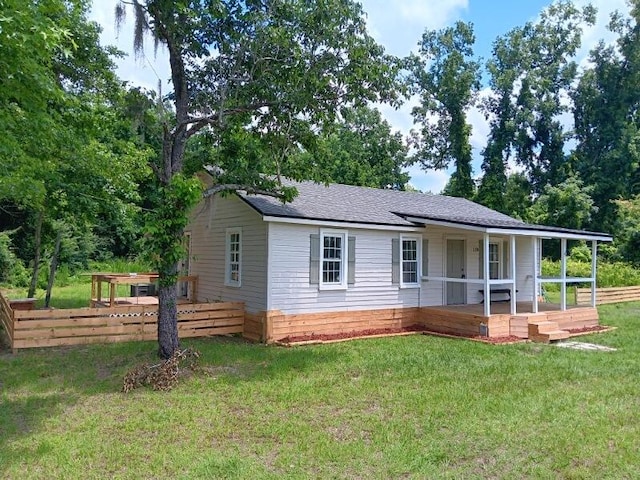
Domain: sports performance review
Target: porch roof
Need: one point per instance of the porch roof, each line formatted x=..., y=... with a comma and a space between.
x=507, y=227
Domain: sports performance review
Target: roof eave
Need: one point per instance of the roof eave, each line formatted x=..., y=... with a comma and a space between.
x=525, y=230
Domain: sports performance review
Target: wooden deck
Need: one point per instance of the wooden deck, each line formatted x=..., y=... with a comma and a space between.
x=124, y=301
x=470, y=320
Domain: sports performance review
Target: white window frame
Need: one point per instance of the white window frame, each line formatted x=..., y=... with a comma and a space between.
x=228, y=281
x=498, y=244
x=418, y=261
x=344, y=236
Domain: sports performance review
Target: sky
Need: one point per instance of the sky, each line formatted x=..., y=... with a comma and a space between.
x=397, y=25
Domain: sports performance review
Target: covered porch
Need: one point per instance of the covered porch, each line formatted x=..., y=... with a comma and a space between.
x=486, y=279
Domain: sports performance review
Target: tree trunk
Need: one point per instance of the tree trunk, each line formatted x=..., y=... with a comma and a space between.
x=36, y=257
x=54, y=267
x=168, y=341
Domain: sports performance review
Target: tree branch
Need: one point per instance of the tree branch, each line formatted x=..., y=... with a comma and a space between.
x=226, y=187
x=198, y=123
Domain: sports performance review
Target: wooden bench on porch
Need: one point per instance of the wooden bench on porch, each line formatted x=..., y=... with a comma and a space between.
x=497, y=291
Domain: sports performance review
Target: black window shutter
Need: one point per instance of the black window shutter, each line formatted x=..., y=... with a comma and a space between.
x=314, y=259
x=351, y=267
x=425, y=257
x=395, y=260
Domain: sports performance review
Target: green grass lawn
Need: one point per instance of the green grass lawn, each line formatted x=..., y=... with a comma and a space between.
x=402, y=407
x=76, y=295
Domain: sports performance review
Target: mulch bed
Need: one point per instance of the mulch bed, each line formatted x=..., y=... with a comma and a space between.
x=585, y=330
x=311, y=339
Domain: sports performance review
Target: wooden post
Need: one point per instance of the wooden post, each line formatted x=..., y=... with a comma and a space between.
x=112, y=294
x=99, y=295
x=594, y=255
x=563, y=274
x=512, y=251
x=487, y=285
x=534, y=246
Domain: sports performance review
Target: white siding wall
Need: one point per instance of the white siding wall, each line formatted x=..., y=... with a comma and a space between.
x=524, y=273
x=291, y=292
x=209, y=220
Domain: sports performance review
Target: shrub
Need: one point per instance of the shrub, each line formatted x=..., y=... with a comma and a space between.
x=609, y=274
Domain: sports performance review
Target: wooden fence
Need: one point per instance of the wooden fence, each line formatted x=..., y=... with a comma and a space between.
x=608, y=295
x=47, y=328
x=6, y=318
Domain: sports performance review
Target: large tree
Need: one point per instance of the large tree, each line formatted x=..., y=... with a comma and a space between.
x=531, y=74
x=362, y=150
x=273, y=69
x=60, y=156
x=446, y=77
x=607, y=120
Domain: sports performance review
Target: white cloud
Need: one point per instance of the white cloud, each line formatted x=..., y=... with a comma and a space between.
x=399, y=25
x=432, y=181
x=592, y=35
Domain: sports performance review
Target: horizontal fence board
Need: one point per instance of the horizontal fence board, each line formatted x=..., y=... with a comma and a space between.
x=83, y=312
x=215, y=315
x=27, y=324
x=609, y=295
x=202, y=332
x=220, y=322
x=43, y=328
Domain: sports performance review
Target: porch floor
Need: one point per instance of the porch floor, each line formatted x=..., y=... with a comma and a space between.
x=470, y=319
x=504, y=308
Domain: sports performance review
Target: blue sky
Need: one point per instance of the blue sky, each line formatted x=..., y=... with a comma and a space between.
x=398, y=25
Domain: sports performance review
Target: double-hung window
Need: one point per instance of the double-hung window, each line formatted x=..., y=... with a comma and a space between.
x=494, y=260
x=233, y=257
x=409, y=261
x=333, y=259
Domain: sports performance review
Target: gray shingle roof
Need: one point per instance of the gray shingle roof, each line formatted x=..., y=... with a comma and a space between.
x=346, y=203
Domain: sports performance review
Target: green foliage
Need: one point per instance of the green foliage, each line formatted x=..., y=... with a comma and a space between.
x=360, y=149
x=568, y=204
x=166, y=223
x=12, y=270
x=627, y=239
x=607, y=120
x=608, y=274
x=447, y=78
x=530, y=71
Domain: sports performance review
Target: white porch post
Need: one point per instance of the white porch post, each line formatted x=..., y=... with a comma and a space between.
x=594, y=254
x=485, y=267
x=512, y=250
x=534, y=246
x=563, y=274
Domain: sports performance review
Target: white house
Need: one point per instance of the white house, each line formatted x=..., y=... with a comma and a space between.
x=344, y=258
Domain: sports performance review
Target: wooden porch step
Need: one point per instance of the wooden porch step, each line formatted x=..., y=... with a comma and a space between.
x=550, y=336
x=542, y=326
x=545, y=331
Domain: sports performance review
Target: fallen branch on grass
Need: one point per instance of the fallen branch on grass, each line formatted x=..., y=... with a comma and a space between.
x=162, y=376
